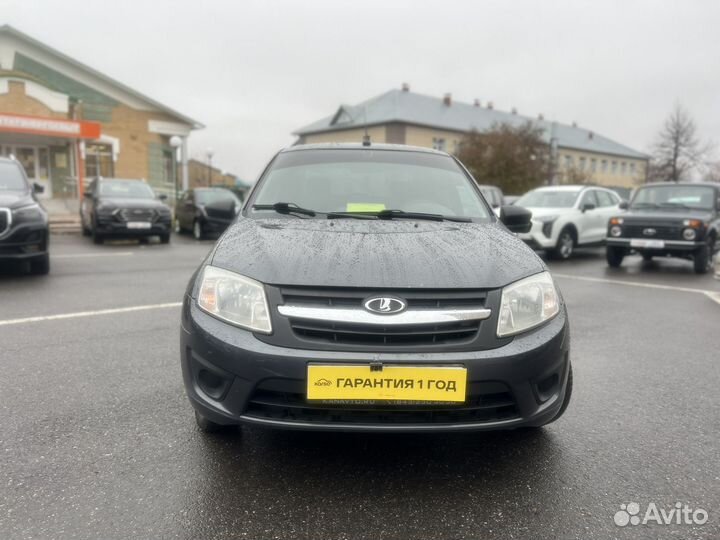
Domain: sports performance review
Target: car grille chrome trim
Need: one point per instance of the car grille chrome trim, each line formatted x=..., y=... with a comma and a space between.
x=358, y=316
x=7, y=223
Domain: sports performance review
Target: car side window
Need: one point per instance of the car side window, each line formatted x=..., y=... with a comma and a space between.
x=605, y=199
x=589, y=198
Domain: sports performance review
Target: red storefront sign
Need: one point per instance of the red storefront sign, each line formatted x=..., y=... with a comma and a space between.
x=50, y=127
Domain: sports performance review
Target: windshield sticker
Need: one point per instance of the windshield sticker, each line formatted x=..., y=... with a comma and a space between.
x=365, y=207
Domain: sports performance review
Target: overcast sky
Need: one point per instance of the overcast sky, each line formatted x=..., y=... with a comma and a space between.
x=254, y=71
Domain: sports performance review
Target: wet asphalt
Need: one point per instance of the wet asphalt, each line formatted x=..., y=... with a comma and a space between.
x=97, y=439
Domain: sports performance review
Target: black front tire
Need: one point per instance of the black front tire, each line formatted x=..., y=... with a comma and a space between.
x=40, y=265
x=565, y=246
x=165, y=238
x=647, y=257
x=703, y=257
x=614, y=256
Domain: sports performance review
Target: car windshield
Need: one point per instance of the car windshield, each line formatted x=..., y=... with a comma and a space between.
x=125, y=189
x=11, y=179
x=209, y=196
x=548, y=198
x=678, y=196
x=370, y=181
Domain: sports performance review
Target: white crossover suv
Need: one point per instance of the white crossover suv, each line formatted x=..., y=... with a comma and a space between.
x=566, y=217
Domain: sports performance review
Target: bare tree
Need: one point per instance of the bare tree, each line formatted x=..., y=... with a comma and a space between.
x=514, y=158
x=677, y=150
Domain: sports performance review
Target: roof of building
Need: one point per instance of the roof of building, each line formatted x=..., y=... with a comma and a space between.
x=10, y=31
x=412, y=108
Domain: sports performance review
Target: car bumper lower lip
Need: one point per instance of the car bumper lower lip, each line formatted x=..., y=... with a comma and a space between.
x=669, y=244
x=24, y=241
x=246, y=366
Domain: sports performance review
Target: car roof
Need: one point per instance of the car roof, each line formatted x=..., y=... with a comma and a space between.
x=691, y=184
x=562, y=188
x=360, y=146
x=105, y=178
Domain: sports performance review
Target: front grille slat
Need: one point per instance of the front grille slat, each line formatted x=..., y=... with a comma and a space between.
x=137, y=214
x=494, y=404
x=457, y=332
x=662, y=232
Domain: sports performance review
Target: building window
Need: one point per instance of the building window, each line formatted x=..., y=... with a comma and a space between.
x=623, y=168
x=582, y=163
x=99, y=161
x=614, y=167
x=603, y=167
x=568, y=162
x=593, y=165
x=632, y=169
x=439, y=143
x=168, y=167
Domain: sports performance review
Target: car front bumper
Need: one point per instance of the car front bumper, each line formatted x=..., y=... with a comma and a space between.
x=232, y=378
x=24, y=241
x=668, y=245
x=536, y=239
x=120, y=229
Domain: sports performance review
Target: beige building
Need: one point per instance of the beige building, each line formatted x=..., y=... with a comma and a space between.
x=67, y=123
x=202, y=174
x=405, y=117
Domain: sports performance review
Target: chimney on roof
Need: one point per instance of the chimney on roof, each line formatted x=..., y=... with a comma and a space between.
x=591, y=135
x=405, y=87
x=476, y=103
x=541, y=116
x=447, y=99
x=490, y=105
x=513, y=110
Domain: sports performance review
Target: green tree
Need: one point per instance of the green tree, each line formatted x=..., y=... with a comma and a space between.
x=514, y=158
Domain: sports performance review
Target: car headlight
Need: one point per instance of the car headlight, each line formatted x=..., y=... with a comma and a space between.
x=105, y=207
x=527, y=303
x=616, y=230
x=233, y=298
x=689, y=234
x=31, y=212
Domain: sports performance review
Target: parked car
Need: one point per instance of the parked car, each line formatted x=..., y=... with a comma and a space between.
x=206, y=210
x=494, y=196
x=567, y=217
x=509, y=200
x=668, y=220
x=115, y=207
x=24, y=230
x=395, y=303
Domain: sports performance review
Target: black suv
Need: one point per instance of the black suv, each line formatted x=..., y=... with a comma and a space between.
x=24, y=228
x=114, y=207
x=668, y=219
x=372, y=288
x=206, y=211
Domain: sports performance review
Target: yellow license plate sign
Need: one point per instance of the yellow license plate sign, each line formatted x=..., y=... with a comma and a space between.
x=391, y=383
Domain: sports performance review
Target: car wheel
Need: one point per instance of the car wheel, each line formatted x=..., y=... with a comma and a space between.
x=703, y=257
x=614, y=256
x=647, y=257
x=208, y=426
x=165, y=238
x=40, y=265
x=565, y=245
x=198, y=232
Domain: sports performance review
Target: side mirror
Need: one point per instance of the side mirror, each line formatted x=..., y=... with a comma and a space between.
x=38, y=188
x=162, y=197
x=624, y=205
x=516, y=218
x=587, y=206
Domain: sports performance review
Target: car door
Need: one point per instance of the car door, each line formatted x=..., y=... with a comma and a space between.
x=609, y=207
x=186, y=210
x=588, y=220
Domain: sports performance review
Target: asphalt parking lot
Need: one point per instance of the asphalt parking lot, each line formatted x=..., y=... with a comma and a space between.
x=97, y=438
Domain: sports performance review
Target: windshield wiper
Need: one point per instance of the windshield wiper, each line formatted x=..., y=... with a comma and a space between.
x=402, y=214
x=285, y=208
x=350, y=215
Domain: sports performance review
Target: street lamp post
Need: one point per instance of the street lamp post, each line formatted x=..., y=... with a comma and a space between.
x=176, y=143
x=210, y=154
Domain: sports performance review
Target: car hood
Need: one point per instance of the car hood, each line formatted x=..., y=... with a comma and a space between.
x=541, y=212
x=134, y=203
x=14, y=199
x=665, y=215
x=370, y=253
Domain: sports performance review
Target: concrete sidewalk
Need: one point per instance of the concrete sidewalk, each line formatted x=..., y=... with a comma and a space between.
x=64, y=215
